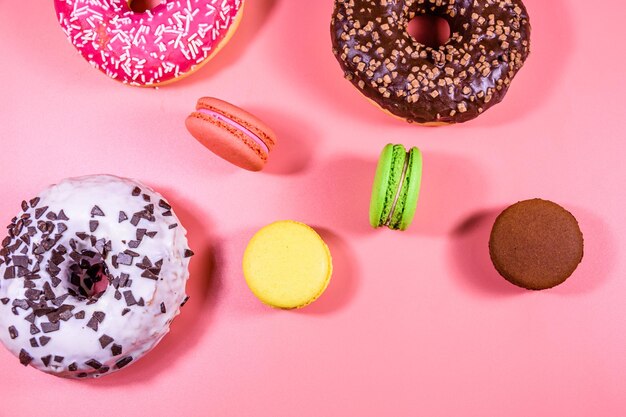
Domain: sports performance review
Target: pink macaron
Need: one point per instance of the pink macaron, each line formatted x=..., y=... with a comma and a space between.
x=231, y=133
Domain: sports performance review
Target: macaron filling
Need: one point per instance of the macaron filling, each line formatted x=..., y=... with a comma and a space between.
x=399, y=190
x=237, y=126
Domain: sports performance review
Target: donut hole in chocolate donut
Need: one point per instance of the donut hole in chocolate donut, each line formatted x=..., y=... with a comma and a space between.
x=142, y=6
x=429, y=30
x=88, y=275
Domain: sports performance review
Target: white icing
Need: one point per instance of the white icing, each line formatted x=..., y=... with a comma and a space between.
x=142, y=327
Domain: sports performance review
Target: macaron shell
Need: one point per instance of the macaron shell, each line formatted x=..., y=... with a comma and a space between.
x=386, y=182
x=224, y=141
x=379, y=188
x=536, y=244
x=241, y=116
x=287, y=265
x=414, y=178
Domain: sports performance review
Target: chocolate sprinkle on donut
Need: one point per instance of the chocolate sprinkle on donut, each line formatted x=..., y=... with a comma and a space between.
x=116, y=350
x=105, y=340
x=453, y=83
x=123, y=362
x=13, y=331
x=25, y=357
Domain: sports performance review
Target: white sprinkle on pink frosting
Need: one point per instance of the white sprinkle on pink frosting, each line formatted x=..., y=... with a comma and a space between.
x=146, y=48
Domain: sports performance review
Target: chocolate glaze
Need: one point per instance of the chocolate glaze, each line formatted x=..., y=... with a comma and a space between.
x=453, y=83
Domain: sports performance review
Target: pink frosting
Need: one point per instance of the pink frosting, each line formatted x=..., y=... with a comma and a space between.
x=237, y=126
x=151, y=47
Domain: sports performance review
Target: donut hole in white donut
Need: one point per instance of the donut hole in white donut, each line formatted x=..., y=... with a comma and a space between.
x=142, y=6
x=429, y=30
x=87, y=275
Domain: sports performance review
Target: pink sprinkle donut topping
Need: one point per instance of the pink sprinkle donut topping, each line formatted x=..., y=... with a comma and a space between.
x=147, y=48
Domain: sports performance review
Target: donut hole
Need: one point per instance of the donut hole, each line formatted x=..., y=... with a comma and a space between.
x=142, y=6
x=88, y=276
x=429, y=30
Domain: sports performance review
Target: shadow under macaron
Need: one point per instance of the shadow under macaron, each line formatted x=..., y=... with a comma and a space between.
x=343, y=284
x=296, y=141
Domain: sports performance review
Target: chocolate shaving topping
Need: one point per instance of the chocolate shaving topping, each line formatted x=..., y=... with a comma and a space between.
x=43, y=340
x=4, y=300
x=146, y=197
x=116, y=349
x=129, y=298
x=96, y=211
x=136, y=191
x=34, y=202
x=122, y=217
x=80, y=315
x=149, y=275
x=50, y=327
x=34, y=329
x=73, y=367
x=46, y=360
x=93, y=225
x=40, y=211
x=55, y=281
x=25, y=357
x=61, y=228
x=13, y=332
x=151, y=234
x=163, y=310
x=24, y=206
x=93, y=324
x=172, y=226
x=51, y=215
x=9, y=273
x=124, y=259
x=164, y=204
x=125, y=311
x=33, y=342
x=123, y=362
x=184, y=301
x=58, y=358
x=62, y=216
x=188, y=253
x=105, y=340
x=92, y=363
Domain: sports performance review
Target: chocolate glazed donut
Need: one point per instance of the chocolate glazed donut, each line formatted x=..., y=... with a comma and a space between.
x=453, y=83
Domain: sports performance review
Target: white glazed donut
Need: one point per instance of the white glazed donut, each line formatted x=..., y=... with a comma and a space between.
x=92, y=272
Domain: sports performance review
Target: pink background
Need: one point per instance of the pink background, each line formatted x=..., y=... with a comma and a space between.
x=414, y=323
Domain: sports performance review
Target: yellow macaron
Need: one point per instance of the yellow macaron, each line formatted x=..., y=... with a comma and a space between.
x=287, y=264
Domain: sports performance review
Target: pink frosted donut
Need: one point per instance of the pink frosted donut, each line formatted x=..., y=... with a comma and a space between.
x=151, y=48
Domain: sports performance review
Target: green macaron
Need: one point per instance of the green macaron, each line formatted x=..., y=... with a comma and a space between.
x=396, y=187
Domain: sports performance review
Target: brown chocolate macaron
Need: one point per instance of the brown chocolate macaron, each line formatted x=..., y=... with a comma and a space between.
x=536, y=244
